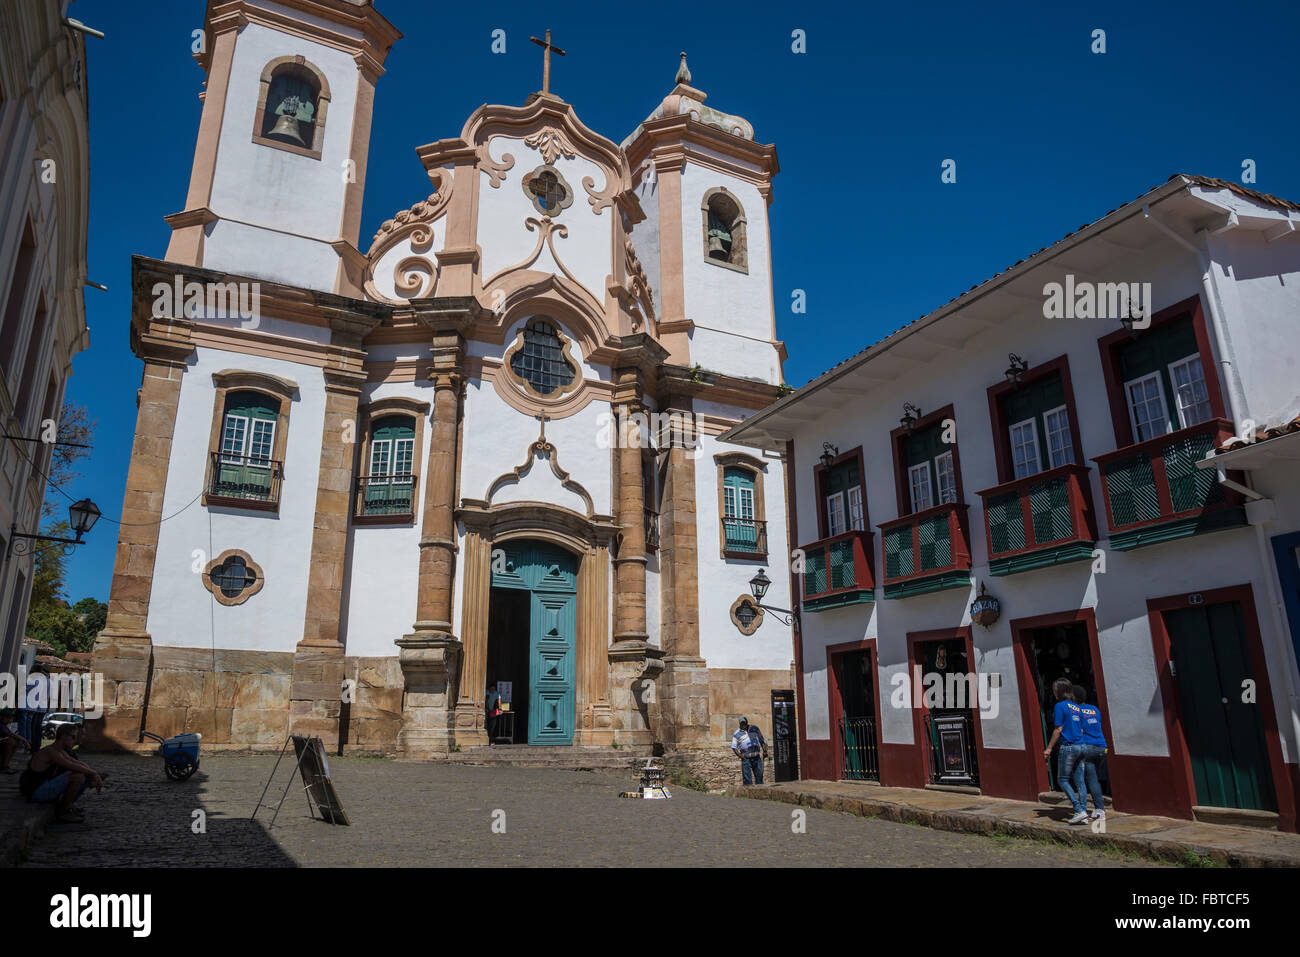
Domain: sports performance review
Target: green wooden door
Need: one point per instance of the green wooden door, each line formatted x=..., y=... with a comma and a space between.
x=1223, y=733
x=551, y=575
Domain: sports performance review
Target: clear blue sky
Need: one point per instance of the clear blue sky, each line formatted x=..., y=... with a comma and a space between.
x=1046, y=135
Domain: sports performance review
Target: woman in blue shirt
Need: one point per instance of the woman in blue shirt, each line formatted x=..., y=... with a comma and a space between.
x=1092, y=750
x=1065, y=717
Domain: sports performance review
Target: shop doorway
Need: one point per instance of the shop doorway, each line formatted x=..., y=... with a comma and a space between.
x=1054, y=652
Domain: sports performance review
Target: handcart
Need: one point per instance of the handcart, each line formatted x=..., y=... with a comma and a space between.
x=180, y=753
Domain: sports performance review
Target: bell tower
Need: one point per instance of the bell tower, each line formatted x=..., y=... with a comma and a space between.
x=280, y=162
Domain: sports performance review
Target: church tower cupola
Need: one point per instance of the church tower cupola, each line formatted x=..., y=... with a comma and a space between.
x=279, y=165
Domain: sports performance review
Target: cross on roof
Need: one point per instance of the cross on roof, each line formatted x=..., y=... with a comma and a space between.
x=547, y=48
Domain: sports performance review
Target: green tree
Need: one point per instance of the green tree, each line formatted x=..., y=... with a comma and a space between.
x=48, y=616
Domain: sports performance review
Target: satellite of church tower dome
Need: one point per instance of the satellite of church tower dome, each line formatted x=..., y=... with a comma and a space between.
x=477, y=463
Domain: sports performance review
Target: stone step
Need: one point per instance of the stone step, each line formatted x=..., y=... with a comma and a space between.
x=550, y=756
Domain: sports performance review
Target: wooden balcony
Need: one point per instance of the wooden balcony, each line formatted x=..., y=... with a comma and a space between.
x=242, y=481
x=385, y=499
x=744, y=538
x=927, y=551
x=1039, y=520
x=1155, y=493
x=837, y=571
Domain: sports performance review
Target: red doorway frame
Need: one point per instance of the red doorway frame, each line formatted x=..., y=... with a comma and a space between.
x=920, y=742
x=1033, y=731
x=1183, y=781
x=834, y=656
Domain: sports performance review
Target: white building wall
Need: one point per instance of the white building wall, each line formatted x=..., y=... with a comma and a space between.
x=183, y=612
x=1119, y=595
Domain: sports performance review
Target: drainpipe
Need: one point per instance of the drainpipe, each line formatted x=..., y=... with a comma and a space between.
x=1223, y=339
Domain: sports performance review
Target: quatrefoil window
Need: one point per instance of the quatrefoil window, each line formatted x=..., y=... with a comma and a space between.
x=547, y=190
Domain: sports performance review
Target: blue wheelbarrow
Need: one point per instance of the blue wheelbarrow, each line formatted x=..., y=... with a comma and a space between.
x=180, y=753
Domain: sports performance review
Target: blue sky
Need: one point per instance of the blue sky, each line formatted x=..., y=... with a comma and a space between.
x=1046, y=135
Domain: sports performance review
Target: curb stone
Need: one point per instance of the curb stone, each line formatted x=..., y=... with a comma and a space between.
x=977, y=821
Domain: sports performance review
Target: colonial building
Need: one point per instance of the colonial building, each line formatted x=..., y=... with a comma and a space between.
x=483, y=450
x=44, y=206
x=1083, y=467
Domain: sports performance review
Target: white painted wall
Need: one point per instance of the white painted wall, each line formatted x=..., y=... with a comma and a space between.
x=183, y=613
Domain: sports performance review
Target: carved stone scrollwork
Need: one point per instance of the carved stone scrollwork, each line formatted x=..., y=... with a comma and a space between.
x=637, y=283
x=550, y=143
x=496, y=169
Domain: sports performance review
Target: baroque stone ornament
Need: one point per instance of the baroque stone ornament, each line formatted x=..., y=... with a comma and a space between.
x=551, y=144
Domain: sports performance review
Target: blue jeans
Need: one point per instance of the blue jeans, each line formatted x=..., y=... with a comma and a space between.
x=54, y=788
x=1067, y=764
x=751, y=770
x=1090, y=756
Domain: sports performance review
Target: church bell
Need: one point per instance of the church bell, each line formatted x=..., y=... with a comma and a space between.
x=287, y=126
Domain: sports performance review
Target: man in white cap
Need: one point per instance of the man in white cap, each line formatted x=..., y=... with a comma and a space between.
x=750, y=746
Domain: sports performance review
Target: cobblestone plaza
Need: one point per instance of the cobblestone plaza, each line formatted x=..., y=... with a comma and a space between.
x=433, y=814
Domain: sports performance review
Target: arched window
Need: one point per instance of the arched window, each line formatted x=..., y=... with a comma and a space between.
x=724, y=230
x=292, y=103
x=389, y=485
x=246, y=467
x=742, y=522
x=540, y=360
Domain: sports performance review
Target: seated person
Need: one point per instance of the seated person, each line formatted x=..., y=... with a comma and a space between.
x=53, y=774
x=10, y=740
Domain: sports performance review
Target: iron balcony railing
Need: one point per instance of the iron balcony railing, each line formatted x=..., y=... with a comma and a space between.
x=744, y=537
x=1038, y=520
x=651, y=529
x=245, y=481
x=1155, y=492
x=860, y=749
x=390, y=497
x=925, y=547
x=837, y=571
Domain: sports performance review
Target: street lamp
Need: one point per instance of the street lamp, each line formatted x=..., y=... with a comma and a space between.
x=759, y=585
x=911, y=414
x=828, y=454
x=1016, y=370
x=82, y=516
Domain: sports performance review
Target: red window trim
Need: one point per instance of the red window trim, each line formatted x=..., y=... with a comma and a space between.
x=1001, y=443
x=896, y=438
x=919, y=710
x=1108, y=346
x=834, y=677
x=819, y=483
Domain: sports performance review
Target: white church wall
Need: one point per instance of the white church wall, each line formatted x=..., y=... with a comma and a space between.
x=505, y=240
x=384, y=570
x=722, y=581
x=645, y=235
x=1118, y=595
x=293, y=195
x=184, y=613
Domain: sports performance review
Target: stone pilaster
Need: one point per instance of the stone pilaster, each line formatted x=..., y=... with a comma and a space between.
x=315, y=694
x=123, y=650
x=432, y=657
x=683, y=691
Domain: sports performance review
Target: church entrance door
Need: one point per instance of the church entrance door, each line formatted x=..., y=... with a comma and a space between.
x=543, y=695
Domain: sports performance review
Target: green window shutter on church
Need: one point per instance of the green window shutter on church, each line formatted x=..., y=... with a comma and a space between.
x=247, y=446
x=739, y=518
x=389, y=487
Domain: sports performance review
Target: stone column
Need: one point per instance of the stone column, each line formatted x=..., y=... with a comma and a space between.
x=315, y=694
x=630, y=557
x=684, y=686
x=596, y=727
x=431, y=656
x=123, y=649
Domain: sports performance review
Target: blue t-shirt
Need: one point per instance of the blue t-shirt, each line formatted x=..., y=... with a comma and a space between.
x=1066, y=716
x=1090, y=725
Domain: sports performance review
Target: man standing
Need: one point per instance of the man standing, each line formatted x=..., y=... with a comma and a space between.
x=750, y=746
x=1069, y=731
x=1092, y=751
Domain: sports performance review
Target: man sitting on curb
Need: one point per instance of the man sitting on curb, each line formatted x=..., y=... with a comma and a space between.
x=53, y=774
x=749, y=745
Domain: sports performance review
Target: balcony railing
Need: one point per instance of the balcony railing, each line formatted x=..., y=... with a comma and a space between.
x=245, y=481
x=1154, y=491
x=837, y=571
x=386, y=498
x=1039, y=520
x=651, y=529
x=926, y=551
x=744, y=538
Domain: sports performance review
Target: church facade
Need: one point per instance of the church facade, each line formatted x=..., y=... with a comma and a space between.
x=367, y=485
